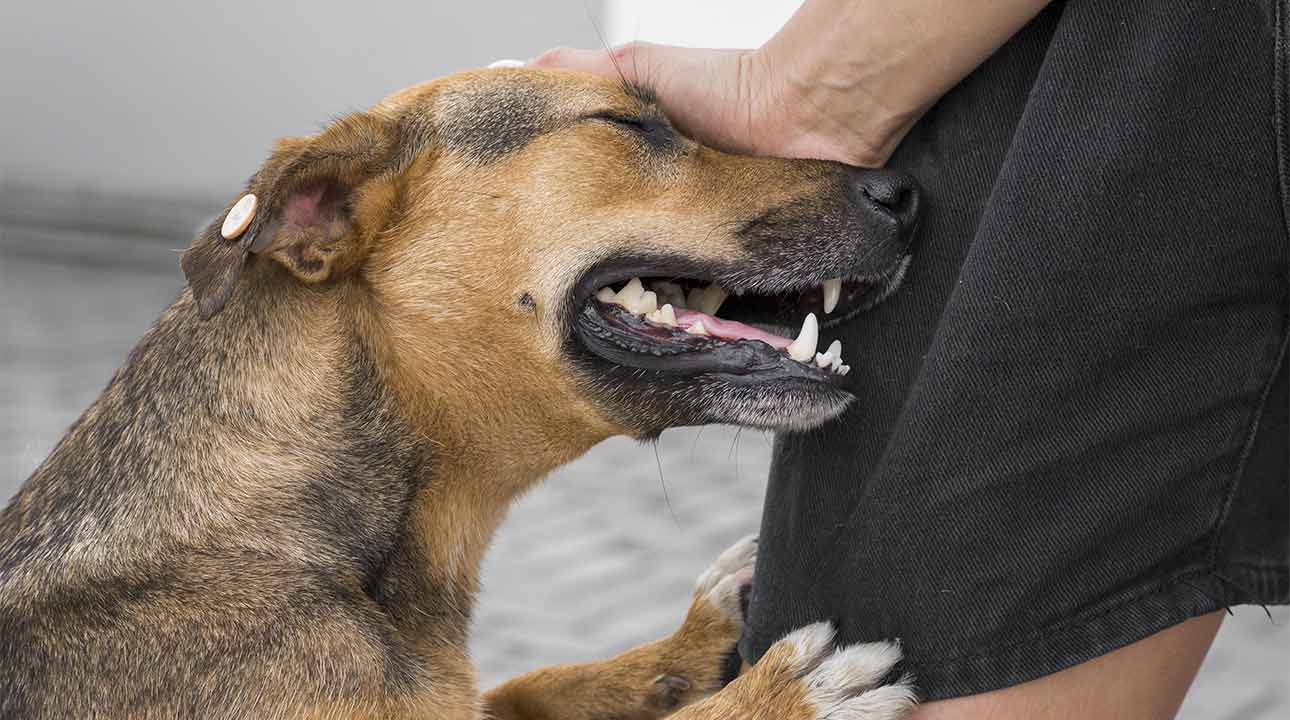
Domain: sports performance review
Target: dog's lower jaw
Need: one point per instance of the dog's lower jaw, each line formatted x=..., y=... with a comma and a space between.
x=765, y=412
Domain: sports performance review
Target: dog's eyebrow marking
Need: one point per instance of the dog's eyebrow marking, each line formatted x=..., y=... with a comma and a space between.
x=491, y=121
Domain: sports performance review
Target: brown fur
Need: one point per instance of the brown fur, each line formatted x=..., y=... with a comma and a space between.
x=279, y=505
x=645, y=682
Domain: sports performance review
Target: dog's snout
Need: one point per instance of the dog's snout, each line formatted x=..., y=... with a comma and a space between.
x=896, y=193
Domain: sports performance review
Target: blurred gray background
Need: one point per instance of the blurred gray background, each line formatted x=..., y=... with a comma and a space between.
x=124, y=126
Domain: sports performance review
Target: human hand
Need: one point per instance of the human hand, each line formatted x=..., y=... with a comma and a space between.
x=743, y=101
x=843, y=80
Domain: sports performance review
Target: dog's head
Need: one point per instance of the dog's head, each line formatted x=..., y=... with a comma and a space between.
x=518, y=233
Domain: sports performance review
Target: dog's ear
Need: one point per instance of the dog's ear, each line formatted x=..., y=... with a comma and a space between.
x=318, y=201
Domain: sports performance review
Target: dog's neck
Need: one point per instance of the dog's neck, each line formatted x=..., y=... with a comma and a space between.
x=271, y=429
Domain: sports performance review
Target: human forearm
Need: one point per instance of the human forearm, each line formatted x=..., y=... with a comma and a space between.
x=868, y=69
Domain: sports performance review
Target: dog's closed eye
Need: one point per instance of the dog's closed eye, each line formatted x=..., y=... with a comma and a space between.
x=655, y=131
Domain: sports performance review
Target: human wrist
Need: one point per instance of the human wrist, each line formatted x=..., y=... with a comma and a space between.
x=822, y=105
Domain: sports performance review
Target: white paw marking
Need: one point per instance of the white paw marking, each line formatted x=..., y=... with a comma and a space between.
x=843, y=684
x=734, y=558
x=810, y=646
x=889, y=702
x=732, y=570
x=857, y=666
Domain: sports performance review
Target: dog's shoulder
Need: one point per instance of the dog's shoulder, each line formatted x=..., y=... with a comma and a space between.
x=253, y=635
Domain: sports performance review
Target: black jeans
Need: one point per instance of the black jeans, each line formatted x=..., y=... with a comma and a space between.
x=1071, y=428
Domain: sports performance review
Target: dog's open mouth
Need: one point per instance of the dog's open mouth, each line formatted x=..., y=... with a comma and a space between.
x=680, y=324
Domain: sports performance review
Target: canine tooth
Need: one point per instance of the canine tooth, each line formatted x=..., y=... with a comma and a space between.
x=712, y=298
x=606, y=295
x=803, y=348
x=823, y=360
x=837, y=363
x=630, y=294
x=832, y=291
x=647, y=304
x=696, y=328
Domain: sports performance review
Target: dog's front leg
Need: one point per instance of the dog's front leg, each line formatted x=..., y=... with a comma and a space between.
x=649, y=681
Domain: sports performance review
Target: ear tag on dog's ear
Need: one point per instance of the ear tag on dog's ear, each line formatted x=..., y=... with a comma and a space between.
x=239, y=217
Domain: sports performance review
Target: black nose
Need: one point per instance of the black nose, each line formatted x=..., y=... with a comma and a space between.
x=895, y=192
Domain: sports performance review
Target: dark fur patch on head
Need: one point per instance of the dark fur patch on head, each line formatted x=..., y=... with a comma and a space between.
x=213, y=266
x=493, y=120
x=647, y=123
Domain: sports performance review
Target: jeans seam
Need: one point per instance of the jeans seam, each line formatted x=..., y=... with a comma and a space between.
x=1281, y=106
x=1281, y=140
x=1247, y=446
x=1091, y=617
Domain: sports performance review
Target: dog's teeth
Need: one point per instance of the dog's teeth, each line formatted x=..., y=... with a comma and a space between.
x=823, y=360
x=669, y=293
x=711, y=298
x=667, y=315
x=606, y=295
x=803, y=348
x=647, y=304
x=696, y=328
x=663, y=316
x=832, y=291
x=630, y=295
x=694, y=298
x=835, y=353
x=844, y=369
x=706, y=300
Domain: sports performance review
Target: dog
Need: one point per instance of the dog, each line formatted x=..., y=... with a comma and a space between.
x=279, y=505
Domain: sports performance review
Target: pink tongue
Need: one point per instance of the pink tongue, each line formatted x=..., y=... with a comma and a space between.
x=729, y=329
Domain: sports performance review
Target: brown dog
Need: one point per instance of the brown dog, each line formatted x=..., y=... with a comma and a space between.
x=278, y=506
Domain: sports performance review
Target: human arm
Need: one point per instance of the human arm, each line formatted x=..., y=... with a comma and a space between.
x=843, y=80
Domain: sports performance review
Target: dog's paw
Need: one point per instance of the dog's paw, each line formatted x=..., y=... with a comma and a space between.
x=724, y=584
x=836, y=683
x=700, y=656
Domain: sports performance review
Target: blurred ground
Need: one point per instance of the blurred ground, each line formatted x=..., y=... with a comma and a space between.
x=602, y=557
